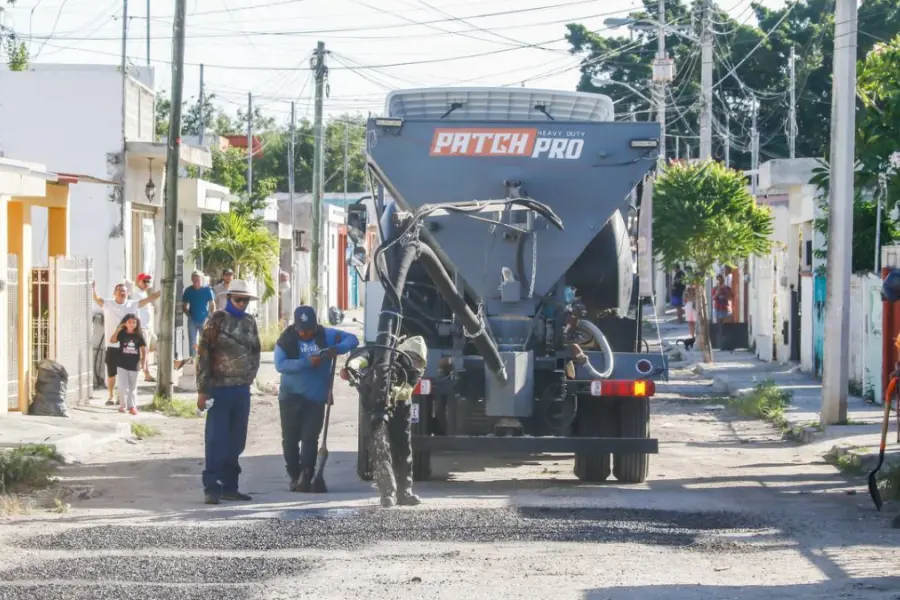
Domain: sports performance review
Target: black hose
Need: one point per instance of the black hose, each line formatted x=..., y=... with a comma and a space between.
x=471, y=322
x=388, y=322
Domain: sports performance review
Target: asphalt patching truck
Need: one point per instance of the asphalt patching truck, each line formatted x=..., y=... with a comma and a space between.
x=503, y=219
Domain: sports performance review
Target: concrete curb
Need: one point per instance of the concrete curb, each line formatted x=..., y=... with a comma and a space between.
x=862, y=458
x=76, y=446
x=795, y=430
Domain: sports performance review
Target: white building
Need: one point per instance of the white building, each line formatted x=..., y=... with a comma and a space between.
x=73, y=117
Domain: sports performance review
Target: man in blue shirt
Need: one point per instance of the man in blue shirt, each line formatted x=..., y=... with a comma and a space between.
x=305, y=382
x=198, y=301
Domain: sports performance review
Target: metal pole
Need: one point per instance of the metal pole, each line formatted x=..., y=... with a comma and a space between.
x=677, y=148
x=173, y=142
x=249, y=144
x=124, y=67
x=835, y=369
x=291, y=201
x=882, y=197
x=727, y=138
x=661, y=86
x=754, y=147
x=318, y=183
x=346, y=156
x=706, y=83
x=792, y=136
x=148, y=33
x=202, y=106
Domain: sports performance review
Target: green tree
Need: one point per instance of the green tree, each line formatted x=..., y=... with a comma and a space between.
x=703, y=214
x=748, y=60
x=239, y=243
x=878, y=130
x=17, y=57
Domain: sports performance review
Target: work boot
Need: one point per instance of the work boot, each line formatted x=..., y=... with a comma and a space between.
x=236, y=496
x=305, y=483
x=388, y=501
x=294, y=486
x=211, y=498
x=407, y=498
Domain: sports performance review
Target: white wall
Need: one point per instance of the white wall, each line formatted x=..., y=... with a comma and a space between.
x=5, y=335
x=70, y=120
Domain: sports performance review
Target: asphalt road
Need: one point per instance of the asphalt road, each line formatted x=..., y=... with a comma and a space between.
x=729, y=511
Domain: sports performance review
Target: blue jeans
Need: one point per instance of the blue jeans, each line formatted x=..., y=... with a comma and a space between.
x=193, y=331
x=226, y=436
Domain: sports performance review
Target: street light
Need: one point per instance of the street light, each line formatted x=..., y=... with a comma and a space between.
x=598, y=82
x=150, y=188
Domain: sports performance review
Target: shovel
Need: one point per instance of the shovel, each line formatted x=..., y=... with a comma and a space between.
x=318, y=479
x=873, y=481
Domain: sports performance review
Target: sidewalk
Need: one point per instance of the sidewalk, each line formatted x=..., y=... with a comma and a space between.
x=739, y=372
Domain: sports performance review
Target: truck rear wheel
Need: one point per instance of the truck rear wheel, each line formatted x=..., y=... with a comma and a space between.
x=363, y=459
x=421, y=461
x=596, y=418
x=634, y=422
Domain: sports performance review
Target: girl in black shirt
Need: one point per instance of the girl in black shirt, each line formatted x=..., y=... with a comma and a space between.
x=132, y=356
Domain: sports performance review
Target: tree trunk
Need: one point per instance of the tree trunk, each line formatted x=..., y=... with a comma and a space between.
x=703, y=323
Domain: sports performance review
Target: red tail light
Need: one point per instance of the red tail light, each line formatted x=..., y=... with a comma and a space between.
x=423, y=388
x=610, y=387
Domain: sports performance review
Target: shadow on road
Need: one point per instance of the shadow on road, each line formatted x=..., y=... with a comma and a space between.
x=886, y=588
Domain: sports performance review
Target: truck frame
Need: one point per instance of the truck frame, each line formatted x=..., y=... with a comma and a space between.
x=506, y=239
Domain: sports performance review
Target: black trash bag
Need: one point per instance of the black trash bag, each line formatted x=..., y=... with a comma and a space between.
x=50, y=390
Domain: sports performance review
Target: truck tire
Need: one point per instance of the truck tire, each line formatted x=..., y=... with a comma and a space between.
x=421, y=461
x=596, y=418
x=363, y=460
x=634, y=422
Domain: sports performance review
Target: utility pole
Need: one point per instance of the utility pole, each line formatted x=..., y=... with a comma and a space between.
x=706, y=83
x=124, y=67
x=291, y=201
x=792, y=136
x=173, y=143
x=835, y=369
x=148, y=33
x=346, y=156
x=663, y=73
x=321, y=73
x=754, y=147
x=249, y=143
x=202, y=106
x=727, y=138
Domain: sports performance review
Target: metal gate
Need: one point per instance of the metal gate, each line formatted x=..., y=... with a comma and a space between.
x=72, y=323
x=12, y=321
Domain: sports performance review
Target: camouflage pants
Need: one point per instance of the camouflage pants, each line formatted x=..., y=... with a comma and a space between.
x=392, y=450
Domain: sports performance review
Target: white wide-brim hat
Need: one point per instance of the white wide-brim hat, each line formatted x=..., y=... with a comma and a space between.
x=239, y=287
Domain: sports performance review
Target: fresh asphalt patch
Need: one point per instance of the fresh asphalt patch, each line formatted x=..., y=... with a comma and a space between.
x=703, y=531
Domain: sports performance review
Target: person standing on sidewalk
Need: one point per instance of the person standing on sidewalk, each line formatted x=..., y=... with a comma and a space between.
x=305, y=383
x=142, y=284
x=197, y=301
x=228, y=361
x=132, y=354
x=221, y=289
x=114, y=311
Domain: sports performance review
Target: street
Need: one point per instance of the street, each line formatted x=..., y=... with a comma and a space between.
x=729, y=511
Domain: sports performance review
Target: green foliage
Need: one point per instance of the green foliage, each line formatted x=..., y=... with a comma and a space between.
x=766, y=401
x=143, y=431
x=703, y=214
x=172, y=407
x=17, y=57
x=240, y=243
x=27, y=467
x=878, y=128
x=807, y=25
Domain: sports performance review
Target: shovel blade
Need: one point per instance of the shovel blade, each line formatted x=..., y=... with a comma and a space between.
x=874, y=491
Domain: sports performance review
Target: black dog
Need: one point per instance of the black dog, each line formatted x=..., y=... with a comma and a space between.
x=688, y=343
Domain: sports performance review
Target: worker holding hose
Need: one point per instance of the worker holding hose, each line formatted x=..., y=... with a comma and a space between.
x=391, y=424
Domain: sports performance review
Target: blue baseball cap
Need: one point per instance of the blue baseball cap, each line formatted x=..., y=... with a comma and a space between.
x=305, y=318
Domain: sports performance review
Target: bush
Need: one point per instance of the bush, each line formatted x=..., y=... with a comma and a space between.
x=27, y=467
x=766, y=401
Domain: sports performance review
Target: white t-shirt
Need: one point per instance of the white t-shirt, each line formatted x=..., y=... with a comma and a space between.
x=144, y=314
x=113, y=314
x=221, y=296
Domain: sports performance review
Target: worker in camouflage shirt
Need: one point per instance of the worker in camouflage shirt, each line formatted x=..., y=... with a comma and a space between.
x=228, y=360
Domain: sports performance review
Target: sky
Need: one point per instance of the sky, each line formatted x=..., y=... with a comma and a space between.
x=264, y=46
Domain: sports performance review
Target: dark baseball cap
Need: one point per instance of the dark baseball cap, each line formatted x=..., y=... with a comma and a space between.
x=305, y=318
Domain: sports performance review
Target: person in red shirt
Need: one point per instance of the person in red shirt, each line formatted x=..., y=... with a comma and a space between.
x=722, y=299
